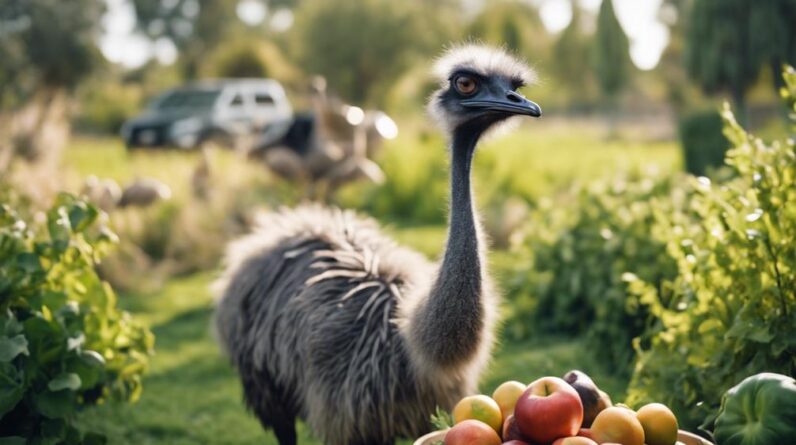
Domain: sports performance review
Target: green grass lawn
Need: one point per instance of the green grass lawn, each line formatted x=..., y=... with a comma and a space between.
x=107, y=157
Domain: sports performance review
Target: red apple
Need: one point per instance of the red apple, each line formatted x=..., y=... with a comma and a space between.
x=472, y=432
x=550, y=408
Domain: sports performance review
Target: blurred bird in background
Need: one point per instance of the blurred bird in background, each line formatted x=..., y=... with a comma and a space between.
x=328, y=146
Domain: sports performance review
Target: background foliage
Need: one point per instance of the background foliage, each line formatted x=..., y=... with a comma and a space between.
x=730, y=41
x=704, y=144
x=582, y=251
x=63, y=343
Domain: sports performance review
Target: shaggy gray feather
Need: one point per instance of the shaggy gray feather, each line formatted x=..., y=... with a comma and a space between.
x=309, y=316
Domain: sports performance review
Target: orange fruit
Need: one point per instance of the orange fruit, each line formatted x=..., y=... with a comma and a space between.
x=618, y=425
x=481, y=408
x=659, y=423
x=506, y=396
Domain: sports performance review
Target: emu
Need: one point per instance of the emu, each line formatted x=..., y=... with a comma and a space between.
x=330, y=321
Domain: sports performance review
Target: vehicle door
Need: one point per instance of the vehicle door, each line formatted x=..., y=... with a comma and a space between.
x=265, y=108
x=235, y=111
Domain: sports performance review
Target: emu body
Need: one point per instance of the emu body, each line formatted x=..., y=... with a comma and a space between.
x=328, y=320
x=312, y=320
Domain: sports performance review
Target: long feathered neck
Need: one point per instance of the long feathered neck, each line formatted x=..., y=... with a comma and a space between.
x=461, y=268
x=448, y=326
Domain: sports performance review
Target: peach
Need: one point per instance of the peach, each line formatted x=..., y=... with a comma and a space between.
x=506, y=396
x=659, y=423
x=619, y=425
x=481, y=408
x=472, y=432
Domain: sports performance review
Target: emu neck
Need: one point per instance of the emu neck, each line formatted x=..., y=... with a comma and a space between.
x=449, y=325
x=461, y=264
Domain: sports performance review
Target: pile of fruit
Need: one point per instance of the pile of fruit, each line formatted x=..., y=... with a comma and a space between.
x=568, y=411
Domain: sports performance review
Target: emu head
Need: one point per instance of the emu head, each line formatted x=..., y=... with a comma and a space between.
x=478, y=86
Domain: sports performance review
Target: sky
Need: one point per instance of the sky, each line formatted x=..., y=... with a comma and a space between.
x=121, y=43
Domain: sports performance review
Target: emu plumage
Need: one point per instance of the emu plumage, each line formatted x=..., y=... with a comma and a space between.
x=328, y=320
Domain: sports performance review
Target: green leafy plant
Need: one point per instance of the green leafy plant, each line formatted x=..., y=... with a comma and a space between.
x=441, y=419
x=63, y=343
x=582, y=249
x=731, y=310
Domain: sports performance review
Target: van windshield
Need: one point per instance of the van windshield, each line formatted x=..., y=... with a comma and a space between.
x=189, y=98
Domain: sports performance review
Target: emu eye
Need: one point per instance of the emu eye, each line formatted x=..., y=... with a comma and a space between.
x=465, y=85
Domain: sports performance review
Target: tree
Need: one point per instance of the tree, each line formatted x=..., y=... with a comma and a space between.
x=670, y=70
x=50, y=40
x=514, y=25
x=729, y=41
x=194, y=26
x=611, y=55
x=47, y=48
x=362, y=46
x=570, y=61
x=242, y=60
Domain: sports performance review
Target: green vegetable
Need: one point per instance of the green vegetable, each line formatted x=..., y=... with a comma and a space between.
x=761, y=410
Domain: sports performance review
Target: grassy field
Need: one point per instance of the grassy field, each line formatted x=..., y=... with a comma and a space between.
x=533, y=161
x=192, y=396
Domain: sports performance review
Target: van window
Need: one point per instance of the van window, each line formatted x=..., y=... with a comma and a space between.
x=263, y=99
x=237, y=101
x=189, y=98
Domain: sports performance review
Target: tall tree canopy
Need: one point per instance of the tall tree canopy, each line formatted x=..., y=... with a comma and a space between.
x=671, y=70
x=362, y=46
x=194, y=26
x=611, y=55
x=46, y=47
x=729, y=41
x=46, y=43
x=514, y=25
x=570, y=61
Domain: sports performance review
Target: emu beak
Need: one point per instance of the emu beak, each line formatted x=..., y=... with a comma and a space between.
x=512, y=102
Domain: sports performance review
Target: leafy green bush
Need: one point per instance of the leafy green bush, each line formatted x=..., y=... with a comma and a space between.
x=731, y=310
x=63, y=343
x=582, y=249
x=704, y=145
